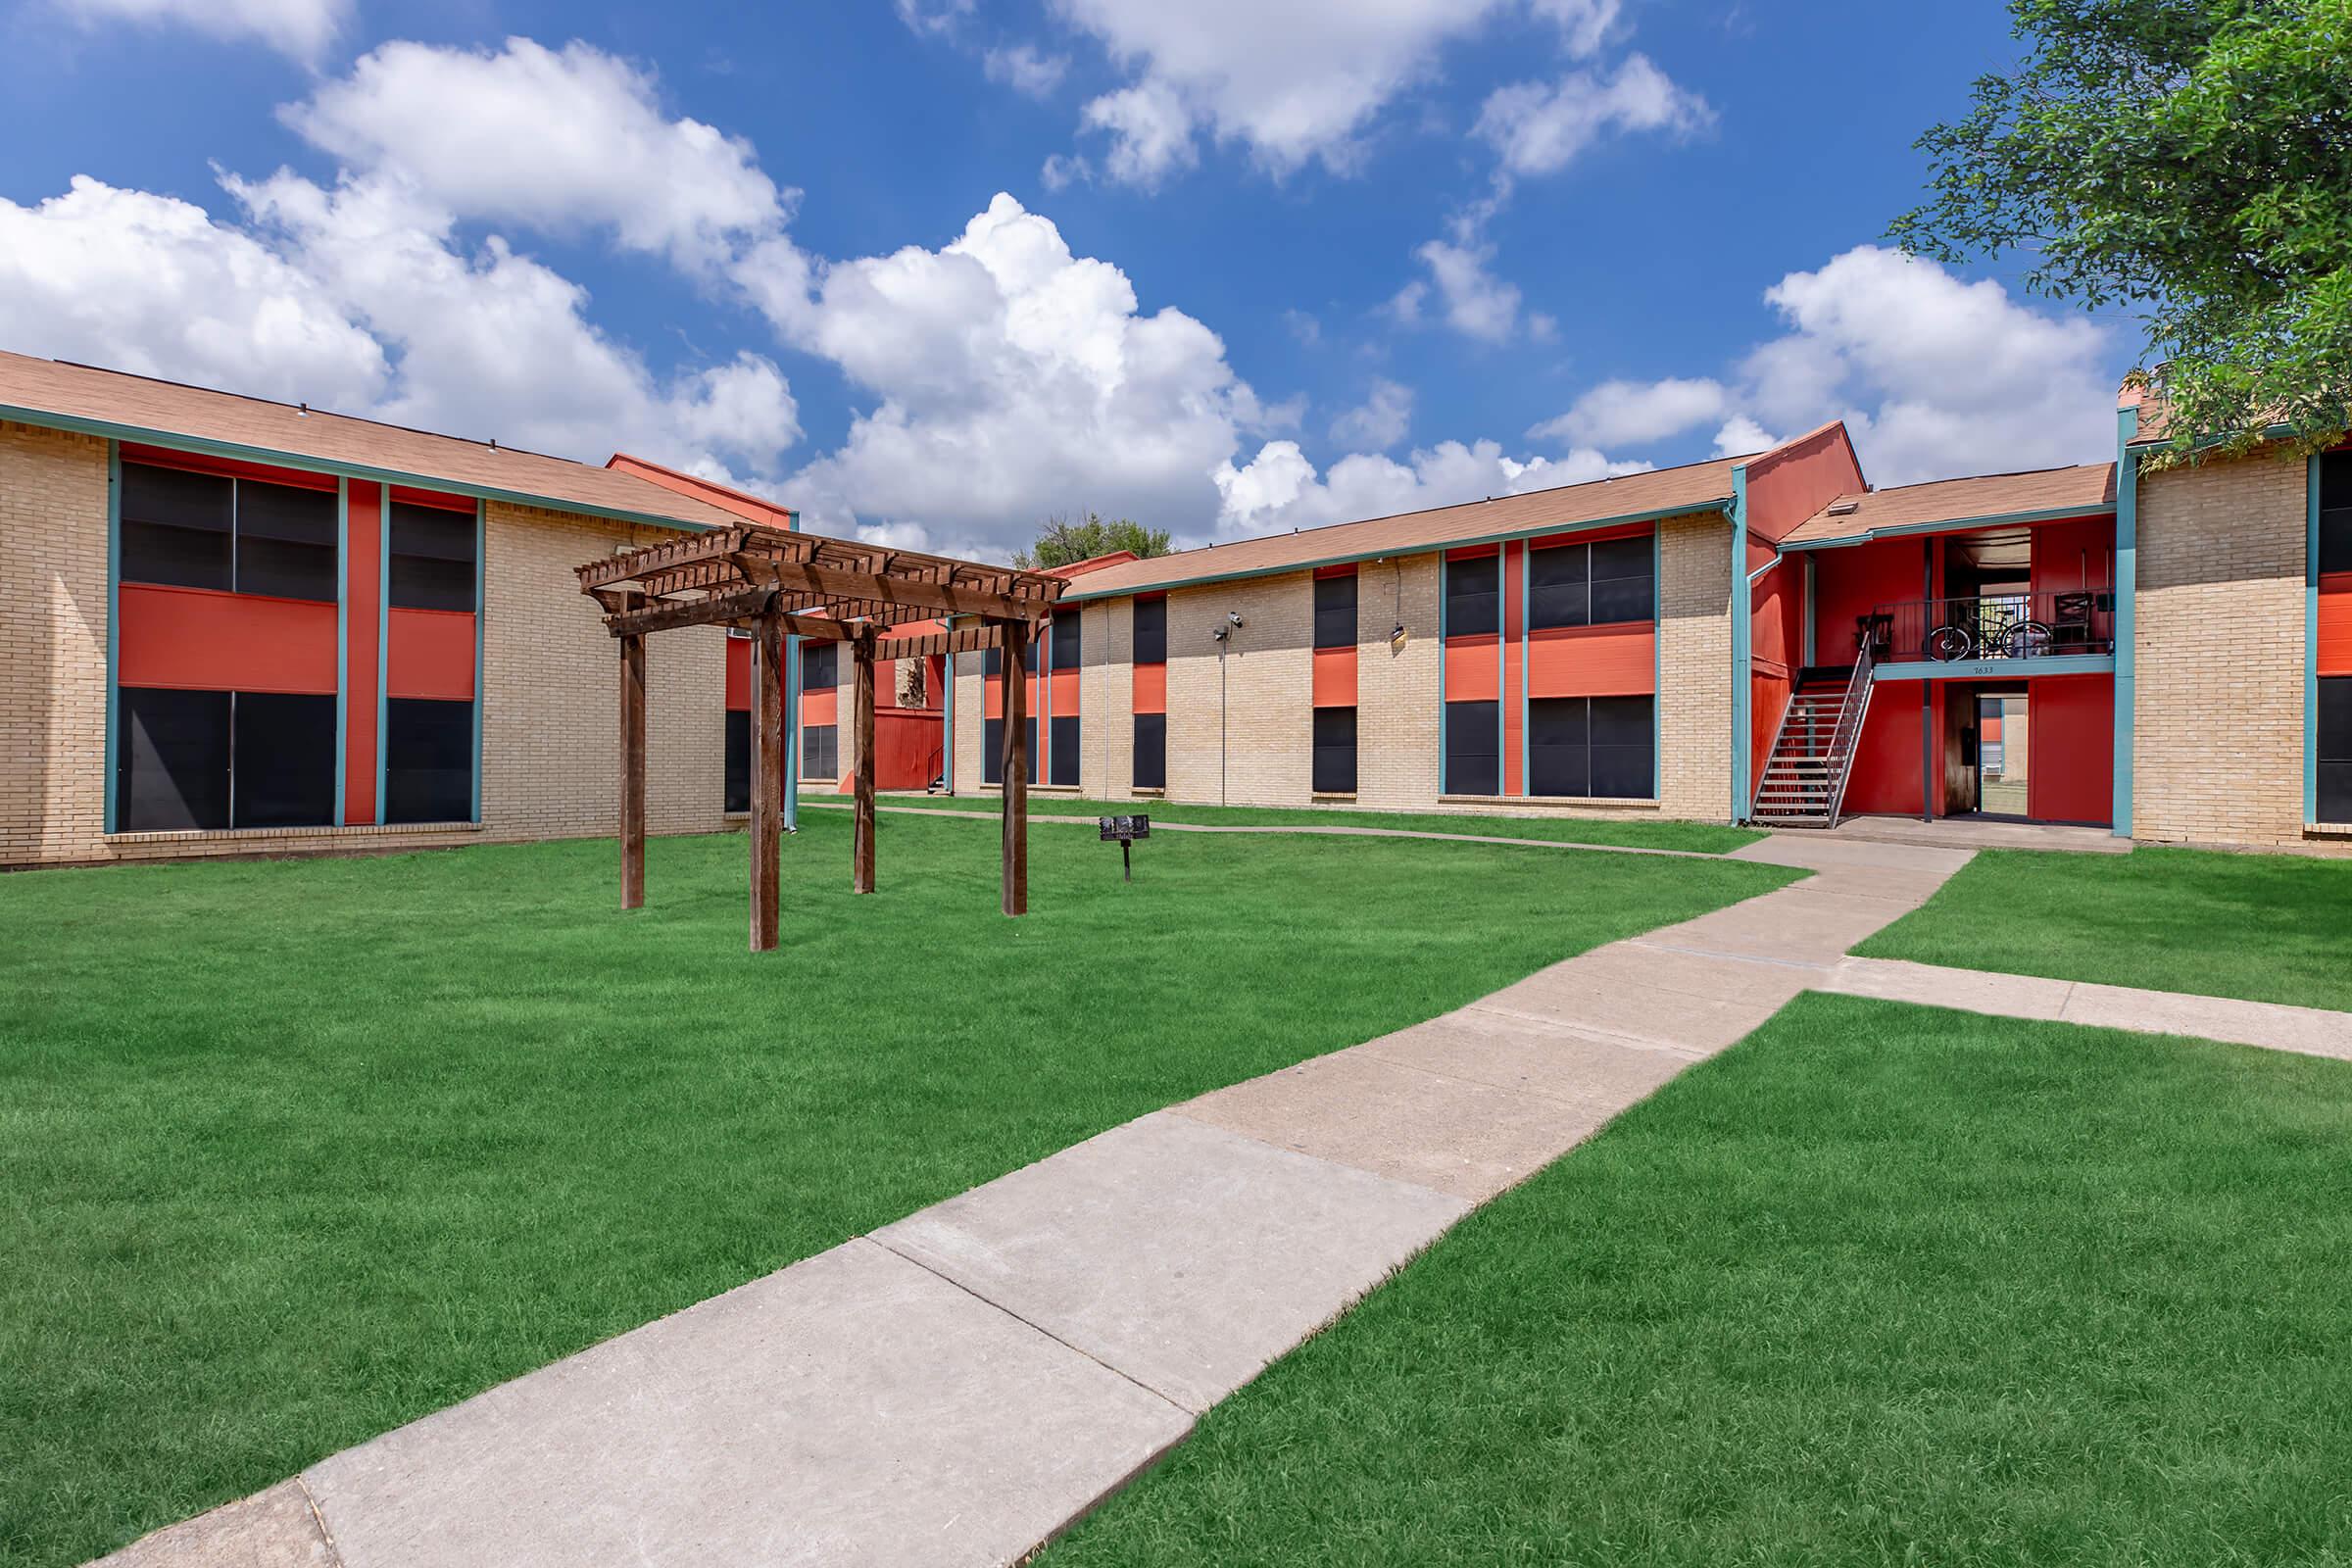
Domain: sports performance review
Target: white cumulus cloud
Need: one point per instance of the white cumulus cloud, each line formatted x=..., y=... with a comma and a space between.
x=1637, y=412
x=1469, y=296
x=1380, y=421
x=1540, y=127
x=300, y=28
x=1280, y=488
x=1025, y=69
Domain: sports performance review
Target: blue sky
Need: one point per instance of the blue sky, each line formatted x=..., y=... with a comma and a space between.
x=1264, y=264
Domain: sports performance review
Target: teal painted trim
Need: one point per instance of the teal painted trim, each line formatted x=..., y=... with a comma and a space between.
x=1527, y=754
x=1439, y=547
x=342, y=639
x=114, y=624
x=792, y=733
x=2126, y=614
x=1443, y=568
x=1991, y=520
x=1657, y=666
x=175, y=442
x=2310, y=643
x=481, y=610
x=1742, y=660
x=1995, y=669
x=384, y=646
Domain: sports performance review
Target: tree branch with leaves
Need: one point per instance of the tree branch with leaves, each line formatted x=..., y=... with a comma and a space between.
x=1062, y=542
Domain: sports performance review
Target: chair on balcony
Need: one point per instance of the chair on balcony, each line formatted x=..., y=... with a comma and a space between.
x=2073, y=621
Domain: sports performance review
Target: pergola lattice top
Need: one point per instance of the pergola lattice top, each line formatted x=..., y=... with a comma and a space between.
x=826, y=588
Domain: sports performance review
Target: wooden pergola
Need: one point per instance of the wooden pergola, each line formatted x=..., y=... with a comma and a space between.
x=776, y=584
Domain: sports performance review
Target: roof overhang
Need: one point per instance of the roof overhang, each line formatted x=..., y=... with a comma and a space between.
x=1999, y=519
x=174, y=441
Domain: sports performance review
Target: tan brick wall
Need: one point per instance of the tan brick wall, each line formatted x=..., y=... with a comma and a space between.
x=1242, y=736
x=53, y=624
x=1399, y=742
x=1269, y=730
x=551, y=723
x=1694, y=668
x=2216, y=743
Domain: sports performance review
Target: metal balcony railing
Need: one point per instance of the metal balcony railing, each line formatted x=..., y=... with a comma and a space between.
x=2022, y=626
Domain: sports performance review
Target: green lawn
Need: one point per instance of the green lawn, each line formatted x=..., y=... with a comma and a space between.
x=294, y=1152
x=1879, y=1285
x=2263, y=927
x=1706, y=838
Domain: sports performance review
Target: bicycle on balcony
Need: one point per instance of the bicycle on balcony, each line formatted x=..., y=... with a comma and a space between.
x=1988, y=629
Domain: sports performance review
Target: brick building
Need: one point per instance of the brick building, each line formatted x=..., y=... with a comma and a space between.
x=229, y=625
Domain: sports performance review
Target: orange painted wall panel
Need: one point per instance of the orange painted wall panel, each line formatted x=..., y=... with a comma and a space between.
x=1064, y=693
x=1470, y=669
x=1617, y=661
x=2070, y=730
x=431, y=654
x=363, y=600
x=1334, y=679
x=2335, y=623
x=197, y=639
x=820, y=708
x=739, y=675
x=1150, y=688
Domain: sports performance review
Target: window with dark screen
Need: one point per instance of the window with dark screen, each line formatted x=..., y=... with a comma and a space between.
x=1591, y=585
x=1473, y=749
x=1067, y=750
x=1150, y=751
x=2335, y=749
x=1473, y=601
x=428, y=760
x=286, y=541
x=1335, y=611
x=432, y=557
x=1067, y=640
x=1333, y=765
x=178, y=529
x=820, y=666
x=1594, y=747
x=820, y=751
x=171, y=761
x=282, y=760
x=2336, y=520
x=739, y=760
x=1151, y=631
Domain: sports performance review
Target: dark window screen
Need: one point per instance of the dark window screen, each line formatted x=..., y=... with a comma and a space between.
x=992, y=662
x=432, y=558
x=1151, y=631
x=2335, y=521
x=1599, y=747
x=1558, y=747
x=820, y=751
x=282, y=760
x=1620, y=580
x=992, y=750
x=2335, y=749
x=739, y=760
x=1473, y=749
x=171, y=761
x=1067, y=641
x=175, y=529
x=1335, y=611
x=428, y=760
x=1150, y=751
x=820, y=666
x=285, y=541
x=1335, y=750
x=1067, y=750
x=1559, y=583
x=1472, y=604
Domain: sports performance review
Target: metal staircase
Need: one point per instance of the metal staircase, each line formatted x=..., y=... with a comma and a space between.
x=1804, y=774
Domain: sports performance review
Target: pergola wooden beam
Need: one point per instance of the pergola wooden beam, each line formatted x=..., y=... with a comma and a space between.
x=781, y=584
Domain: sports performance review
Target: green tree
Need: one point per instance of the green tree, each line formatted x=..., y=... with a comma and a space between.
x=1061, y=542
x=2191, y=159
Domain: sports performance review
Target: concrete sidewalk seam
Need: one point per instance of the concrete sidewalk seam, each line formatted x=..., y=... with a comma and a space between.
x=1027, y=1323
x=326, y=1534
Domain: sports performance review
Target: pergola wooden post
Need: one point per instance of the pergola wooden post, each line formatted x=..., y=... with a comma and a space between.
x=1016, y=769
x=632, y=771
x=862, y=846
x=776, y=583
x=768, y=776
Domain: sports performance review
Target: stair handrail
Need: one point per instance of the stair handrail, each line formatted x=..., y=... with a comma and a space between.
x=1849, y=727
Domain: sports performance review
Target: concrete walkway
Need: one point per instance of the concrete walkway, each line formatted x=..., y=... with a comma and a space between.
x=959, y=1387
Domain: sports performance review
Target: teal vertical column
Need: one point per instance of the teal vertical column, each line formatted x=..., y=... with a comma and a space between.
x=114, y=623
x=1741, y=652
x=2127, y=574
x=2311, y=642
